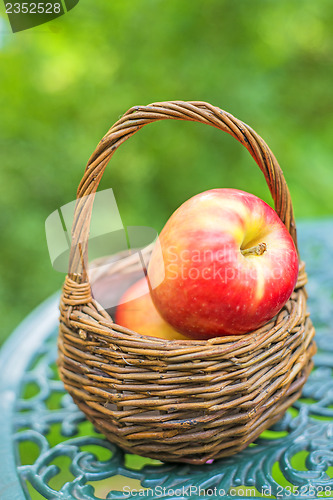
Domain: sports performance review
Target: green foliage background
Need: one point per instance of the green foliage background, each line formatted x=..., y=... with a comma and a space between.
x=62, y=85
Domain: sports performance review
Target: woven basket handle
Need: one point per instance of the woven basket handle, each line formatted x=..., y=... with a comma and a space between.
x=134, y=120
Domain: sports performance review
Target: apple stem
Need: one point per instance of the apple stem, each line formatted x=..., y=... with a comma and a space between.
x=257, y=250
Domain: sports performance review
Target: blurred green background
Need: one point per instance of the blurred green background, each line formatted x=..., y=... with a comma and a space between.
x=62, y=86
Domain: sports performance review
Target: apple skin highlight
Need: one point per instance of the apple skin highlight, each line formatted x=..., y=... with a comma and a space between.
x=229, y=265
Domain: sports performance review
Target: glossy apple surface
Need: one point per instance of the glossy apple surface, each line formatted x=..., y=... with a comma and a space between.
x=228, y=265
x=137, y=312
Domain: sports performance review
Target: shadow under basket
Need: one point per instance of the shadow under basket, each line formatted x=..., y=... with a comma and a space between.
x=181, y=400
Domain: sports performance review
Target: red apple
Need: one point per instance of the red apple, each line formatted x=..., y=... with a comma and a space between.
x=137, y=312
x=228, y=265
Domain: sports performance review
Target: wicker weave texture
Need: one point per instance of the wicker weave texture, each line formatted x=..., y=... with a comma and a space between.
x=187, y=401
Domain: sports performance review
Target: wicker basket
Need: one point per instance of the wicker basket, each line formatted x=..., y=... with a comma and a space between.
x=185, y=401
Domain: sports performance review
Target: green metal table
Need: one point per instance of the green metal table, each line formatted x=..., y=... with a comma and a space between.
x=49, y=450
